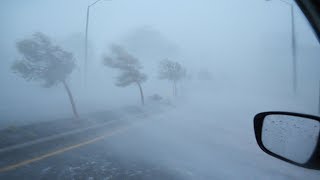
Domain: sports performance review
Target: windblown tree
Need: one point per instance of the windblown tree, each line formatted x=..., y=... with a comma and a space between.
x=45, y=62
x=128, y=66
x=172, y=71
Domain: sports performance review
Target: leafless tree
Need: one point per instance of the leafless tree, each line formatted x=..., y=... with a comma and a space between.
x=172, y=71
x=128, y=66
x=45, y=62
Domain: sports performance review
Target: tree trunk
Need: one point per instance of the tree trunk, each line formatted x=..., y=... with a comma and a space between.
x=74, y=109
x=141, y=93
x=174, y=88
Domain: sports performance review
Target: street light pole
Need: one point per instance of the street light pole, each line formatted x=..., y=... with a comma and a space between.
x=86, y=41
x=319, y=101
x=294, y=54
x=86, y=47
x=293, y=47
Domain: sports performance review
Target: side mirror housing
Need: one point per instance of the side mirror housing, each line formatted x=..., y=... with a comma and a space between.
x=291, y=137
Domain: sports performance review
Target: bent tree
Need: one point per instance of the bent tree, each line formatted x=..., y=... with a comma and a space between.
x=128, y=66
x=172, y=71
x=45, y=62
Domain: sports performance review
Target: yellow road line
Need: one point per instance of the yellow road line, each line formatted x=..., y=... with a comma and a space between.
x=23, y=163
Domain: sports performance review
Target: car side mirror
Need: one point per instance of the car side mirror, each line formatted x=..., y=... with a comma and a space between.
x=291, y=137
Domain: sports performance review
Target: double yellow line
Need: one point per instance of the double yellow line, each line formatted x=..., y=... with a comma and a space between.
x=59, y=151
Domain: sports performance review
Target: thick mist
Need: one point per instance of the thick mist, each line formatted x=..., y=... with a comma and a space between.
x=237, y=56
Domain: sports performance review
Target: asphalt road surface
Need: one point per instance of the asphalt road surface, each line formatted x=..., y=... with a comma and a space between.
x=170, y=146
x=92, y=155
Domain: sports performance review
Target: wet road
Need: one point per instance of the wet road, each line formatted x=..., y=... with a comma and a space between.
x=94, y=155
x=170, y=146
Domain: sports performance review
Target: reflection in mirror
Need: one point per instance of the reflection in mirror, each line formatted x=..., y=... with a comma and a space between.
x=294, y=138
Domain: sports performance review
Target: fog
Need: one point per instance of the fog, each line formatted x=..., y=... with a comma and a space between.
x=243, y=46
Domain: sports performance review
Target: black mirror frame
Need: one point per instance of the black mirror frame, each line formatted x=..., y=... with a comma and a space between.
x=312, y=163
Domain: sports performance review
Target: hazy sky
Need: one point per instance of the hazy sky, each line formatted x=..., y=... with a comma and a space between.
x=221, y=21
